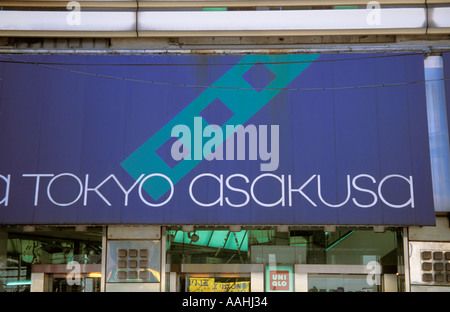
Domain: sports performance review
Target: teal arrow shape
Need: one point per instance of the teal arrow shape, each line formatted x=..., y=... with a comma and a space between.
x=236, y=93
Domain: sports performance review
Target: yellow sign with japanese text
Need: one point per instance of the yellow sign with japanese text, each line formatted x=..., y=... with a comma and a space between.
x=210, y=285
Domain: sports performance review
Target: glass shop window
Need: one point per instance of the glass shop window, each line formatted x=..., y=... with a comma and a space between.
x=47, y=245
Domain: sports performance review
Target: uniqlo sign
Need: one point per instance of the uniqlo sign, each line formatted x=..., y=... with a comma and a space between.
x=279, y=280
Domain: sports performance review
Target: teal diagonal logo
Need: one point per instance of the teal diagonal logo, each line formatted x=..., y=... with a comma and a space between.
x=242, y=98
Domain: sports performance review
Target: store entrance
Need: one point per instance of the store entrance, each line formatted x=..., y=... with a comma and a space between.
x=66, y=278
x=215, y=278
x=85, y=284
x=270, y=258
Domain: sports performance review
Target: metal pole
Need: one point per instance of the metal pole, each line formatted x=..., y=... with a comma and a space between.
x=406, y=260
x=163, y=259
x=438, y=131
x=104, y=251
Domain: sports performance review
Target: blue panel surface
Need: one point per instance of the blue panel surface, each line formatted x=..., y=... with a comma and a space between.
x=446, y=59
x=94, y=140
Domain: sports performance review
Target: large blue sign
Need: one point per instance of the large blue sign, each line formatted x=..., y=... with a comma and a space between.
x=194, y=139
